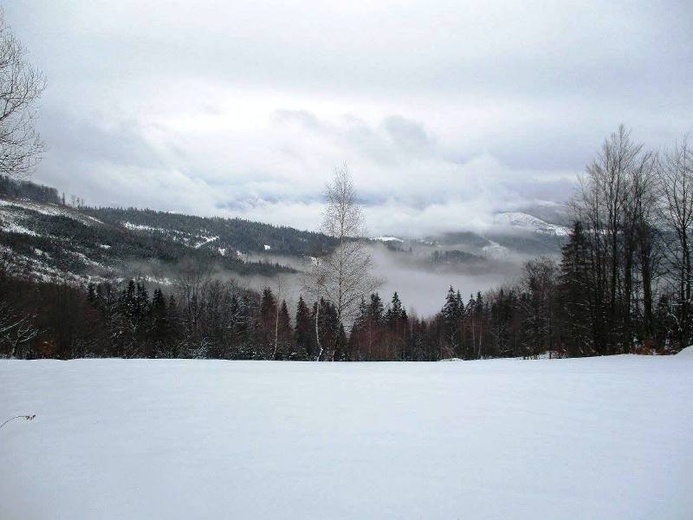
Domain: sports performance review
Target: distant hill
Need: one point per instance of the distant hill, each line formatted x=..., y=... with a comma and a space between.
x=58, y=242
x=510, y=237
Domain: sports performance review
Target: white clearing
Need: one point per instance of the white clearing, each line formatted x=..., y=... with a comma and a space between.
x=600, y=438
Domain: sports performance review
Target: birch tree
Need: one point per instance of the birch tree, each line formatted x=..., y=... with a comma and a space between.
x=344, y=276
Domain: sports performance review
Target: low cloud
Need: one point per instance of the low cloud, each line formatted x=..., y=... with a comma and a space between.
x=445, y=113
x=409, y=182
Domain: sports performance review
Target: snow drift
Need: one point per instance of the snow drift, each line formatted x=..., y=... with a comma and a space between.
x=601, y=438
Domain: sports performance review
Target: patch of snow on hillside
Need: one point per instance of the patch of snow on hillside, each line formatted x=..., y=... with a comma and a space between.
x=599, y=438
x=14, y=227
x=10, y=220
x=140, y=227
x=194, y=241
x=34, y=267
x=205, y=241
x=86, y=260
x=52, y=210
x=387, y=239
x=528, y=222
x=158, y=280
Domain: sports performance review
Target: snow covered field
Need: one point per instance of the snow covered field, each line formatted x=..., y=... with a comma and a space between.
x=600, y=438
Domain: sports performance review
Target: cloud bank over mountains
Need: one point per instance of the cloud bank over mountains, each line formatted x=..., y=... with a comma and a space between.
x=445, y=112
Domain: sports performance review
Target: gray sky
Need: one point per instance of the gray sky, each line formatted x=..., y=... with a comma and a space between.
x=445, y=111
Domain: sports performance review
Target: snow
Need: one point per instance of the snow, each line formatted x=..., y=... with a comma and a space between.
x=205, y=241
x=387, y=239
x=14, y=227
x=194, y=241
x=688, y=351
x=50, y=210
x=39, y=270
x=268, y=247
x=599, y=438
x=86, y=260
x=141, y=227
x=10, y=220
x=524, y=220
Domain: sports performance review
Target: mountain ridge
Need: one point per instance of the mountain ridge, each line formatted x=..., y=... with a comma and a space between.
x=81, y=244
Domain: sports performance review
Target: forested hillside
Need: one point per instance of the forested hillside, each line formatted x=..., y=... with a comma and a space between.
x=51, y=240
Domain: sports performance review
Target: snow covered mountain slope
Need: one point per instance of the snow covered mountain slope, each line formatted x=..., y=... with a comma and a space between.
x=55, y=242
x=599, y=438
x=525, y=221
x=18, y=207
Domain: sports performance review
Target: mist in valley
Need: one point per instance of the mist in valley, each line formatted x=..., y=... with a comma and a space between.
x=422, y=289
x=408, y=269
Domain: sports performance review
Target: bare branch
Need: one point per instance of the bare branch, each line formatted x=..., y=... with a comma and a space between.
x=20, y=87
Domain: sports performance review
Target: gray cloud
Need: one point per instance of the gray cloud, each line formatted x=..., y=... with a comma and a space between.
x=444, y=111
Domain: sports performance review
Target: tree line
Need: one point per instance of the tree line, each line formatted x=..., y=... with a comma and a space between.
x=203, y=317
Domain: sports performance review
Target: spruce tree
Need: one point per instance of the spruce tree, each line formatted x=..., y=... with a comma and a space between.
x=580, y=322
x=304, y=332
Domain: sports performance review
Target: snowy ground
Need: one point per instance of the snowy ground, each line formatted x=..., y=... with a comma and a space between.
x=607, y=438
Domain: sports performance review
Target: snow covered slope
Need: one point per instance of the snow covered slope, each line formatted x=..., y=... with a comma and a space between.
x=602, y=438
x=10, y=208
x=527, y=222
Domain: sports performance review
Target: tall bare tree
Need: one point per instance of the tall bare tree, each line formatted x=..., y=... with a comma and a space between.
x=21, y=84
x=614, y=204
x=344, y=276
x=675, y=169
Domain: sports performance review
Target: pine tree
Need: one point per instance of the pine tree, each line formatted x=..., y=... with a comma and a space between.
x=452, y=313
x=395, y=311
x=283, y=333
x=396, y=320
x=267, y=325
x=161, y=333
x=304, y=332
x=581, y=317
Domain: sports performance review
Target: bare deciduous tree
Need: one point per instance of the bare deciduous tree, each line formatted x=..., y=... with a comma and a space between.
x=676, y=212
x=20, y=87
x=345, y=276
x=614, y=202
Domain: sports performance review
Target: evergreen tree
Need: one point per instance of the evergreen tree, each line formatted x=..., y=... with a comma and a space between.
x=452, y=313
x=376, y=309
x=283, y=333
x=396, y=320
x=580, y=319
x=266, y=325
x=304, y=332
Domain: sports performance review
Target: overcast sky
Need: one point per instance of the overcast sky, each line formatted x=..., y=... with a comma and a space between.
x=445, y=111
